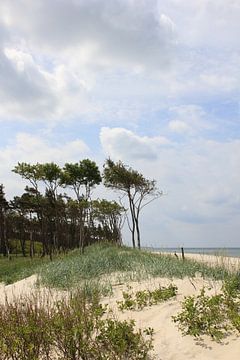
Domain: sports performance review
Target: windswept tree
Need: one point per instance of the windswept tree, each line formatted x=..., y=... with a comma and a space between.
x=138, y=190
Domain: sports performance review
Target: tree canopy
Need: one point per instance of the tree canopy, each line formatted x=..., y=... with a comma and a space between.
x=133, y=185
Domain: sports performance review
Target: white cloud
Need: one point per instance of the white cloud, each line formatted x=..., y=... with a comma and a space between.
x=201, y=180
x=179, y=126
x=200, y=189
x=57, y=59
x=121, y=144
x=189, y=119
x=52, y=54
x=32, y=149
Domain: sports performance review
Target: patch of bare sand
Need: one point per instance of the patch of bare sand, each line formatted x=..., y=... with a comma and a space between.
x=28, y=288
x=169, y=344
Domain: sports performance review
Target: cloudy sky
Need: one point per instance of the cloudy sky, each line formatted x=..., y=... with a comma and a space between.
x=153, y=83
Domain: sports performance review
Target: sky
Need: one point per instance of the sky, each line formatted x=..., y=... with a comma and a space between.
x=153, y=83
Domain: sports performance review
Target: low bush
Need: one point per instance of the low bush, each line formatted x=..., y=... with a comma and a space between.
x=141, y=299
x=215, y=315
x=72, y=329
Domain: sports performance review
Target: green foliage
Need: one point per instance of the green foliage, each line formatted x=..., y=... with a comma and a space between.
x=135, y=187
x=231, y=291
x=19, y=267
x=24, y=330
x=15, y=247
x=144, y=298
x=203, y=315
x=103, y=260
x=214, y=315
x=85, y=173
x=30, y=172
x=71, y=329
x=119, y=337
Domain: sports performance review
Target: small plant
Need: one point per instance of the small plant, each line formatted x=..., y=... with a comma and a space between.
x=144, y=298
x=214, y=315
x=118, y=340
x=25, y=330
x=71, y=329
x=203, y=315
x=231, y=291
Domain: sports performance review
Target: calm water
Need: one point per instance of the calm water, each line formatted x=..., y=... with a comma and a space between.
x=233, y=252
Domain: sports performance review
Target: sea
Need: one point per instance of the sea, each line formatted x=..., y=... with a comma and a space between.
x=232, y=252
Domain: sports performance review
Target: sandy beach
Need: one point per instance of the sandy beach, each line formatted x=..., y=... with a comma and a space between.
x=230, y=263
x=169, y=344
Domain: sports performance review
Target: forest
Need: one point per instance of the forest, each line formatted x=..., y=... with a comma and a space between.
x=57, y=211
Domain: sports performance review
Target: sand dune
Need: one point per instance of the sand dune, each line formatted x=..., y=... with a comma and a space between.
x=169, y=344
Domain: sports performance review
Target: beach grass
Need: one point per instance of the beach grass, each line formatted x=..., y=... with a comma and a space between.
x=19, y=268
x=104, y=265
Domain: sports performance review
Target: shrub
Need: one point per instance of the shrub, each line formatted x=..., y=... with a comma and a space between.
x=144, y=298
x=214, y=315
x=70, y=329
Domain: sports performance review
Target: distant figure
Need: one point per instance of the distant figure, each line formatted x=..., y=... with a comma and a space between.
x=175, y=254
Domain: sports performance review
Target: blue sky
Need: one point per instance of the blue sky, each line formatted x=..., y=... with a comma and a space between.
x=152, y=83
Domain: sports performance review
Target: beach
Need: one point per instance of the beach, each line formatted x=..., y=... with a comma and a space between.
x=169, y=344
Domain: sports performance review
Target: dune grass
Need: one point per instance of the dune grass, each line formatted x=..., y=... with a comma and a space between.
x=18, y=268
x=104, y=264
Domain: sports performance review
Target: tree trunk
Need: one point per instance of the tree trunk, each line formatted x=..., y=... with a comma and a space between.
x=133, y=220
x=31, y=244
x=138, y=234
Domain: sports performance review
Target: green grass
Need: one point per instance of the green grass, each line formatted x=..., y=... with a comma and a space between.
x=15, y=247
x=18, y=268
x=101, y=262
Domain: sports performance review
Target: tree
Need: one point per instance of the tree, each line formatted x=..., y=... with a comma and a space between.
x=138, y=190
x=49, y=173
x=81, y=178
x=109, y=215
x=4, y=206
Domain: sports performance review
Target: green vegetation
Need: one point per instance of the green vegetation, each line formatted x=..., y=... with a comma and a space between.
x=18, y=268
x=215, y=315
x=133, y=186
x=16, y=249
x=144, y=298
x=103, y=264
x=57, y=210
x=70, y=329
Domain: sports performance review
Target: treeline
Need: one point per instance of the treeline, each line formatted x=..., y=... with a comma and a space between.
x=47, y=214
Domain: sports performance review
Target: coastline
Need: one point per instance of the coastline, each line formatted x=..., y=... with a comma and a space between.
x=228, y=262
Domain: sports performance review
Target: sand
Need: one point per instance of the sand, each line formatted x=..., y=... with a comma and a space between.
x=169, y=344
x=231, y=263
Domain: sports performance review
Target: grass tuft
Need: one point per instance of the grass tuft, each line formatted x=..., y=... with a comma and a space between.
x=98, y=265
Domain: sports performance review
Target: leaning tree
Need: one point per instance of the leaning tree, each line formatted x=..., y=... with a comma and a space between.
x=138, y=190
